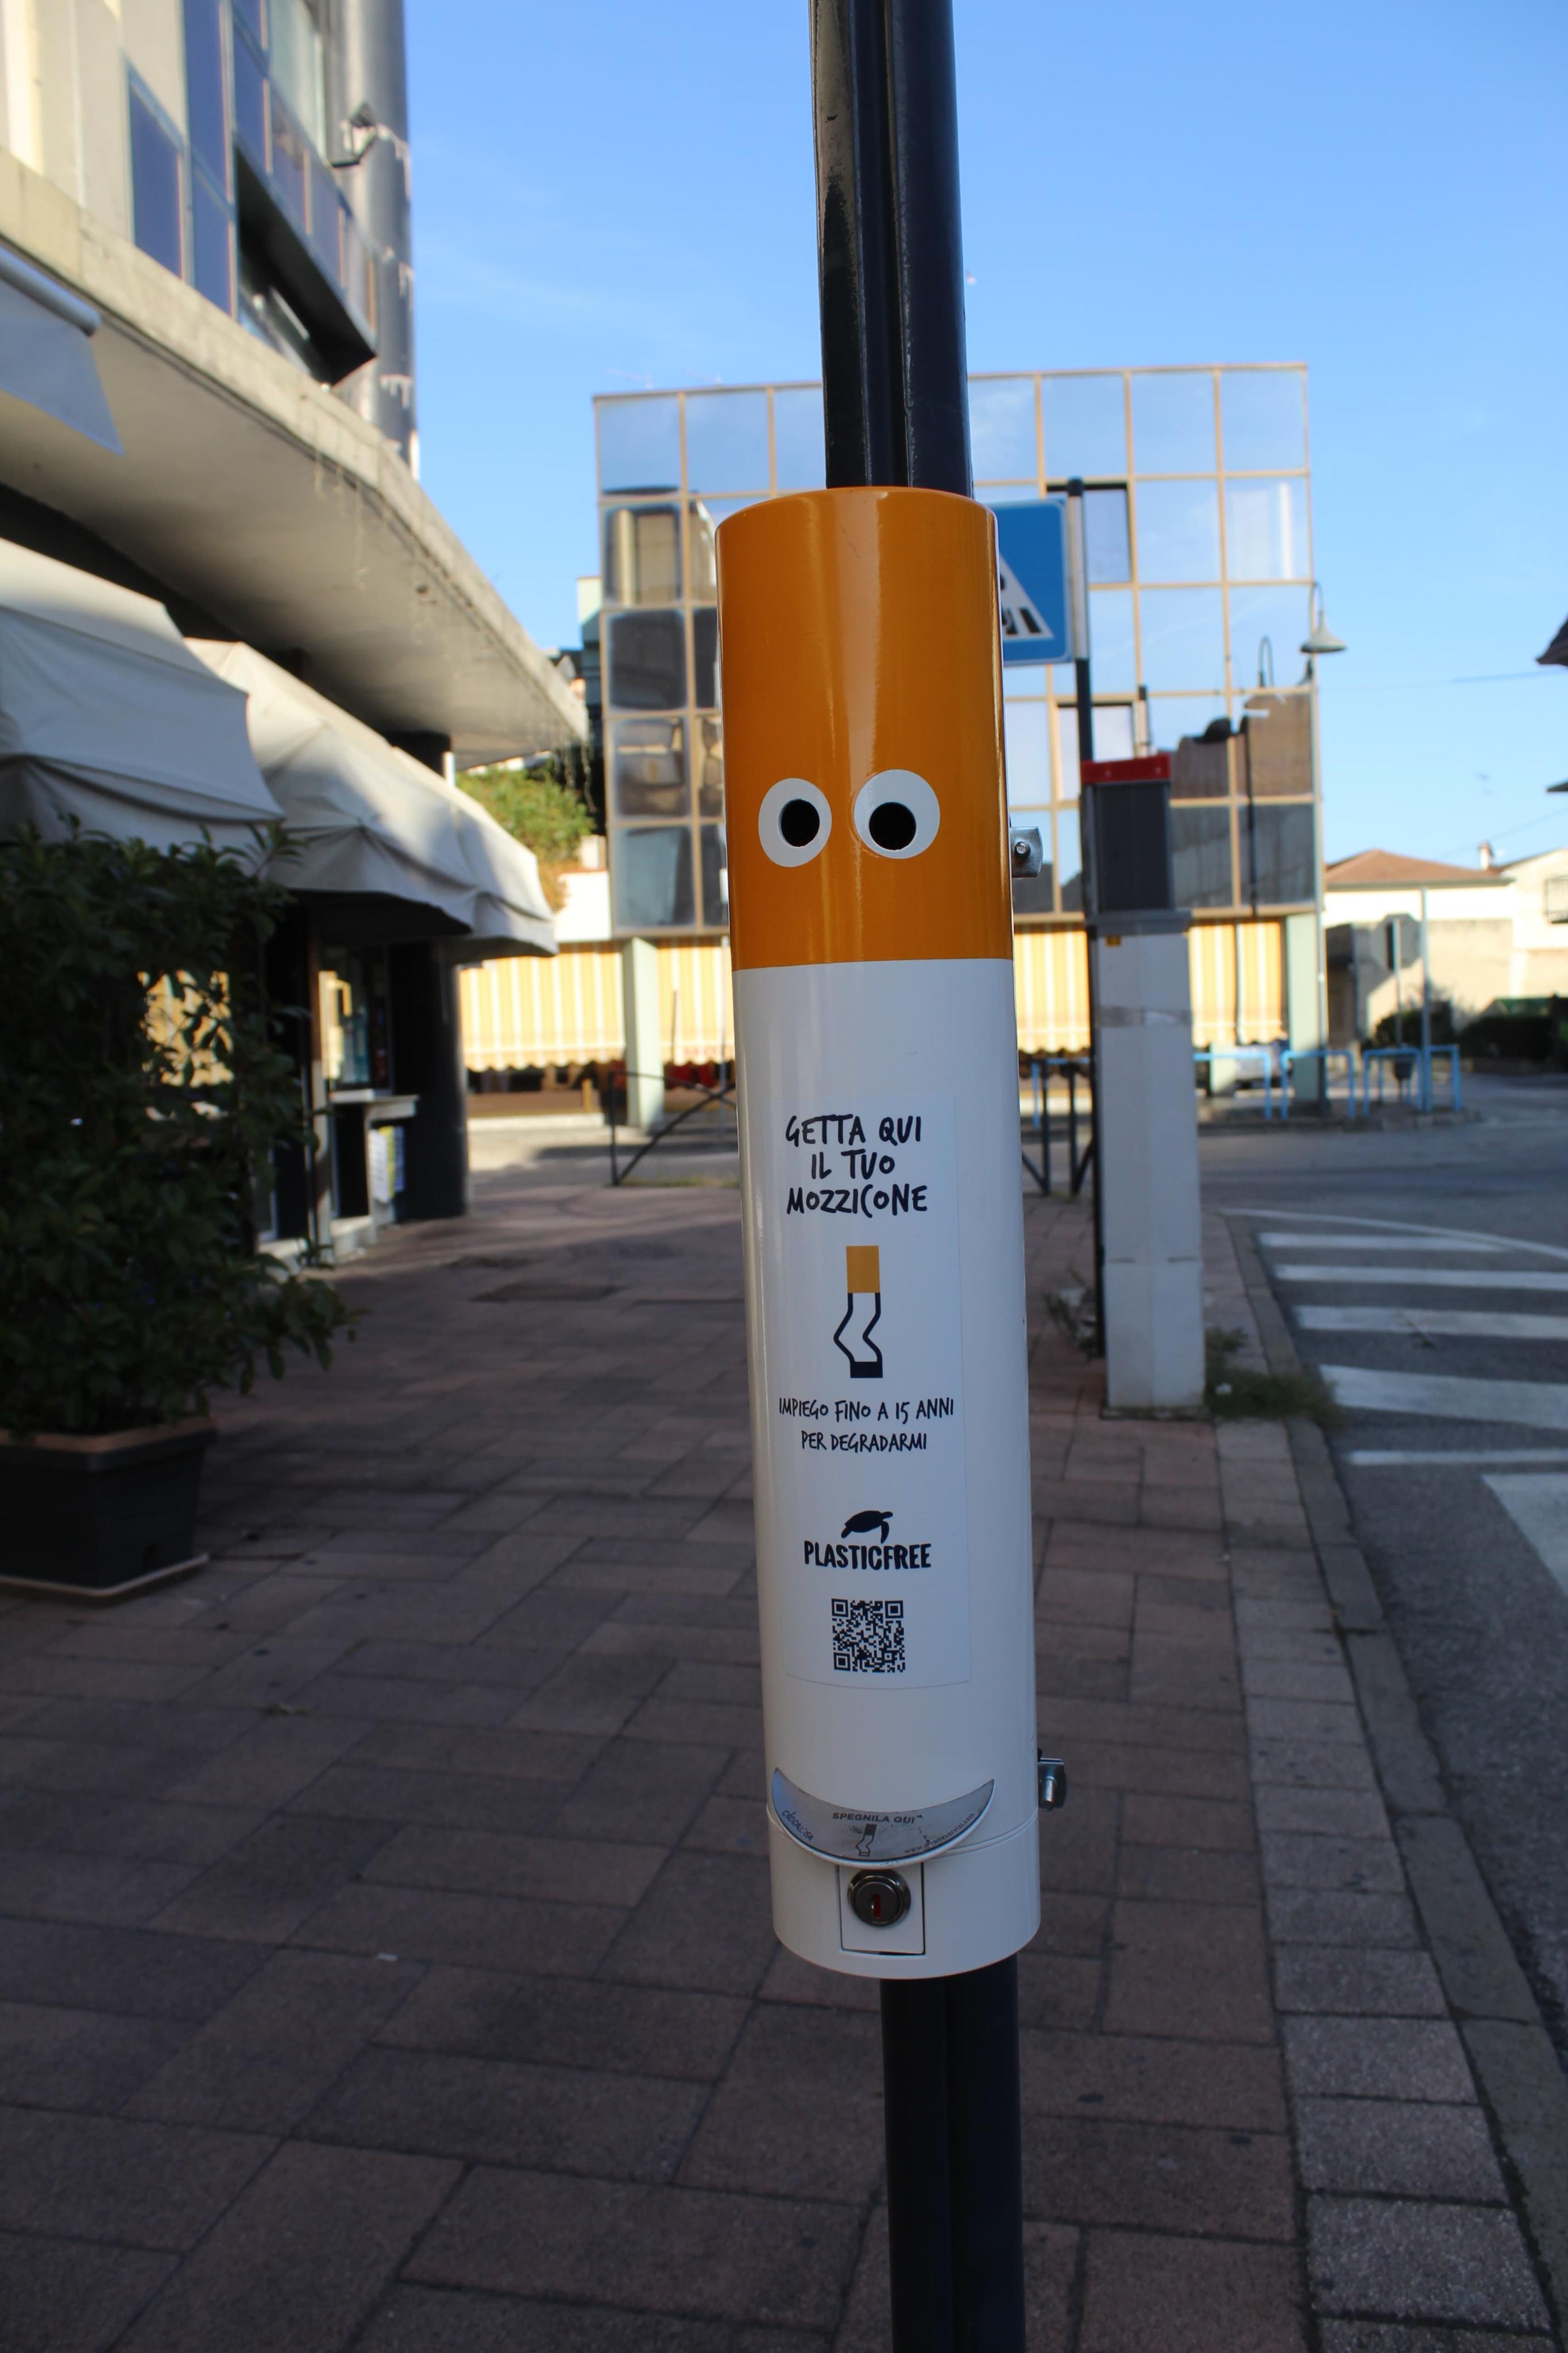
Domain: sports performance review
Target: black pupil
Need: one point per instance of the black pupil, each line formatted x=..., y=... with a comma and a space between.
x=891, y=827
x=799, y=823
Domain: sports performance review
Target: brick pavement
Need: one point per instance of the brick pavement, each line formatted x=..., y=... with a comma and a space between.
x=384, y=1949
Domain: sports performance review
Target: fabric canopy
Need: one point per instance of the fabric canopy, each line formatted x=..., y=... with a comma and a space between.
x=45, y=358
x=365, y=818
x=108, y=718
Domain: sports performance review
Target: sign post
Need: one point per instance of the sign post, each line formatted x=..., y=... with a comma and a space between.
x=872, y=939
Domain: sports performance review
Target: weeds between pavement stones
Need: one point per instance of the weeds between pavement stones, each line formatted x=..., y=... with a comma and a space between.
x=1234, y=1392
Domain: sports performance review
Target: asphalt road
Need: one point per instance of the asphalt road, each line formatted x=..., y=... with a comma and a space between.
x=1426, y=1270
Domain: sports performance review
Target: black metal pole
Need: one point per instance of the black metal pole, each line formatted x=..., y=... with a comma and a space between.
x=896, y=411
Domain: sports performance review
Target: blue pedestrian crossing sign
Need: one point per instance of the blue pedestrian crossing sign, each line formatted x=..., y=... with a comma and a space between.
x=1032, y=581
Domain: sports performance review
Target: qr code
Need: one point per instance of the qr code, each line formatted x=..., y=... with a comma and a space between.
x=868, y=1638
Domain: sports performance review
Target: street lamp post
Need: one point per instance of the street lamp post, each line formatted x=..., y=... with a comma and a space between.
x=1319, y=641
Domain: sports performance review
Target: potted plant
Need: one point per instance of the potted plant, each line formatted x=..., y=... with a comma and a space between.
x=142, y=1096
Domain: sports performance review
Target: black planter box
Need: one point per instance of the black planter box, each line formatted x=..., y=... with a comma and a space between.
x=101, y=1517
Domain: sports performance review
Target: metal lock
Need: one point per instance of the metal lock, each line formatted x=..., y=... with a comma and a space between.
x=1052, y=1783
x=879, y=1898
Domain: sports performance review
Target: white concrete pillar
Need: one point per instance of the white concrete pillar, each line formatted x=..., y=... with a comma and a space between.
x=645, y=1041
x=1147, y=1113
x=1304, y=1002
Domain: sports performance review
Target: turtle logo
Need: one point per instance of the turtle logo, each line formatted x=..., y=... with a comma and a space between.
x=860, y=1524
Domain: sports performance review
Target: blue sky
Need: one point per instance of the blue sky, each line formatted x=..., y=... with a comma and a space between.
x=612, y=194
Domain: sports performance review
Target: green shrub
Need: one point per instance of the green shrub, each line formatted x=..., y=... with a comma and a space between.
x=1235, y=1392
x=539, y=807
x=141, y=1094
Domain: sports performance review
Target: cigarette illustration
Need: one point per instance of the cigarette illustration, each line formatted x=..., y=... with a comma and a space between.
x=863, y=1281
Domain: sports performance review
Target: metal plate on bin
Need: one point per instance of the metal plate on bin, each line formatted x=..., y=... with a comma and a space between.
x=874, y=1833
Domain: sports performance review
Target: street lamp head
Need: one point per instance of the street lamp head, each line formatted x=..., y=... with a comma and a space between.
x=1320, y=638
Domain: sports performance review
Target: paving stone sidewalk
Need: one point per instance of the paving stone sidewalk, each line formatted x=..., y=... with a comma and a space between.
x=386, y=1957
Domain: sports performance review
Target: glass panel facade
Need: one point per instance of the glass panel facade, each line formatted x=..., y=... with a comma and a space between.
x=1172, y=716
x=642, y=555
x=708, y=766
x=647, y=660
x=652, y=876
x=647, y=765
x=1068, y=862
x=1026, y=732
x=250, y=101
x=705, y=658
x=157, y=193
x=1280, y=615
x=290, y=161
x=1107, y=536
x=1173, y=423
x=207, y=112
x=1263, y=417
x=1178, y=531
x=1183, y=638
x=1085, y=425
x=1113, y=646
x=1266, y=529
x=727, y=441
x=715, y=877
x=298, y=65
x=1001, y=429
x=639, y=443
x=701, y=525
x=1200, y=854
x=212, y=246
x=1281, y=842
x=800, y=454
x=1198, y=546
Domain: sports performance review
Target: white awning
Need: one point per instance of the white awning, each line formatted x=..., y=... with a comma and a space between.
x=108, y=718
x=365, y=818
x=45, y=357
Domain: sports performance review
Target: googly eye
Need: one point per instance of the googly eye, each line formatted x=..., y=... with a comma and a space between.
x=793, y=821
x=897, y=814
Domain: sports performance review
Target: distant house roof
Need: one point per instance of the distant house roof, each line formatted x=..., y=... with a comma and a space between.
x=1384, y=870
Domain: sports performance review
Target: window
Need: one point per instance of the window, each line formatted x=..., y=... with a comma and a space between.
x=704, y=566
x=290, y=161
x=715, y=877
x=800, y=457
x=324, y=215
x=1263, y=417
x=1266, y=529
x=652, y=874
x=250, y=102
x=639, y=444
x=1277, y=615
x=1281, y=847
x=157, y=191
x=1106, y=542
x=1173, y=423
x=727, y=440
x=1279, y=746
x=1001, y=429
x=1110, y=643
x=205, y=109
x=708, y=766
x=299, y=66
x=1183, y=639
x=647, y=662
x=1200, y=857
x=1085, y=425
x=648, y=767
x=211, y=246
x=705, y=657
x=1178, y=532
x=642, y=555
x=1027, y=732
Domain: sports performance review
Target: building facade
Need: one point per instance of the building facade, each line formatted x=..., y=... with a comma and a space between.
x=1198, y=530
x=209, y=464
